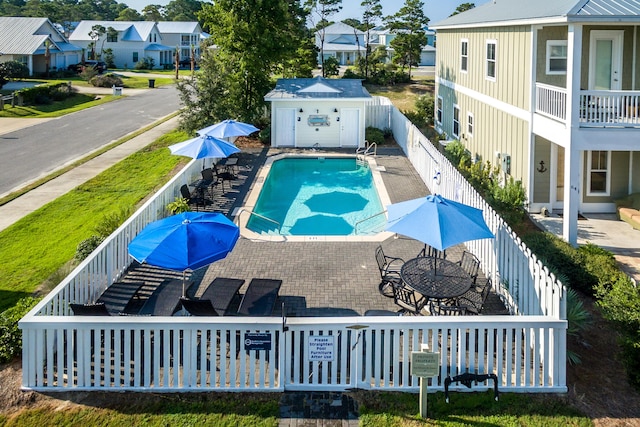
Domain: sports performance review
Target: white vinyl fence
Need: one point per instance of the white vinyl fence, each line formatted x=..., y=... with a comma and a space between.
x=527, y=351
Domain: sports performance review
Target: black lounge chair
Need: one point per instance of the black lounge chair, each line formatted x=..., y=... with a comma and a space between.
x=221, y=292
x=430, y=251
x=260, y=297
x=117, y=297
x=471, y=264
x=409, y=301
x=199, y=307
x=89, y=309
x=165, y=299
x=473, y=300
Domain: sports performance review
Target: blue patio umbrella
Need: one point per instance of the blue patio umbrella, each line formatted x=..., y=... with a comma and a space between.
x=186, y=241
x=437, y=221
x=202, y=147
x=228, y=128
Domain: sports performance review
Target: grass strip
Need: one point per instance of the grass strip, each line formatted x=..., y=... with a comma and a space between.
x=60, y=108
x=39, y=244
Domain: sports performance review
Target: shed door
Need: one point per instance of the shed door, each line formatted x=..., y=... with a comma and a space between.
x=349, y=127
x=285, y=129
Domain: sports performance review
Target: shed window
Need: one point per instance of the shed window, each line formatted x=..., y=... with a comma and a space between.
x=469, y=124
x=556, y=57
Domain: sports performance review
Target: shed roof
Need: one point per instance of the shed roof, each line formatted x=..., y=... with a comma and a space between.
x=317, y=88
x=504, y=12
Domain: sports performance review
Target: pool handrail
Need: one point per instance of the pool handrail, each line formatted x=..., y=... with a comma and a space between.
x=355, y=227
x=250, y=212
x=369, y=148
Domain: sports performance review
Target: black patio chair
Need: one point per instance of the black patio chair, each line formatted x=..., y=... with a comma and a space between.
x=223, y=176
x=389, y=272
x=186, y=194
x=409, y=301
x=474, y=298
x=211, y=180
x=446, y=310
x=471, y=264
x=430, y=251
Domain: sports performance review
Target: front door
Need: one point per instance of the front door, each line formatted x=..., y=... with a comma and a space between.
x=349, y=127
x=285, y=129
x=605, y=65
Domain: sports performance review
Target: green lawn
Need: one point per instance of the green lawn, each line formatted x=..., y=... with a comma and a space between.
x=72, y=104
x=39, y=244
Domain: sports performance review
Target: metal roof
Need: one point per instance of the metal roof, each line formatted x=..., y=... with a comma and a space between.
x=131, y=30
x=167, y=27
x=157, y=47
x=503, y=12
x=317, y=88
x=18, y=36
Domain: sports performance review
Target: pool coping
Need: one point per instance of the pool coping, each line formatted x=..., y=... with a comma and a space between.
x=256, y=188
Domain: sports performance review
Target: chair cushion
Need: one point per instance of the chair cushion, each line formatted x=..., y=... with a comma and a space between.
x=202, y=307
x=89, y=309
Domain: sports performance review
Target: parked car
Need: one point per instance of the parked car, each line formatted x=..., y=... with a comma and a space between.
x=186, y=63
x=99, y=66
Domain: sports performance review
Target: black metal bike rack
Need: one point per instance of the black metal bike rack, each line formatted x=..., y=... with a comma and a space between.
x=467, y=379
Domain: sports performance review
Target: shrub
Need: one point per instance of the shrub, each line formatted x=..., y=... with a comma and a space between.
x=145, y=64
x=620, y=304
x=425, y=105
x=415, y=117
x=14, y=70
x=601, y=264
x=331, y=66
x=106, y=80
x=457, y=154
x=350, y=73
x=578, y=320
x=372, y=135
x=87, y=246
x=88, y=73
x=44, y=93
x=265, y=135
x=179, y=205
x=10, y=334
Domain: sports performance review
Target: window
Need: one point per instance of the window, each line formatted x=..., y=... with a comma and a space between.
x=112, y=38
x=556, y=57
x=469, y=124
x=464, y=54
x=185, y=40
x=456, y=121
x=598, y=177
x=491, y=59
x=439, y=110
x=135, y=57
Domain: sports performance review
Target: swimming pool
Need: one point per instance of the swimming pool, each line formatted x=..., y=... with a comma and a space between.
x=317, y=197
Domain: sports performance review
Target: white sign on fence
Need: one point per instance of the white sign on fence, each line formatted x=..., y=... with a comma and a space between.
x=321, y=348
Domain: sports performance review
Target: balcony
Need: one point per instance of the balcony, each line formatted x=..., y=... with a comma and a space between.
x=597, y=108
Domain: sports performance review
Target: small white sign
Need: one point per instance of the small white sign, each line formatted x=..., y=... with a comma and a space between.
x=424, y=364
x=321, y=348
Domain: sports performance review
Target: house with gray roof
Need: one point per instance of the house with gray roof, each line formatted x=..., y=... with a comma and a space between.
x=134, y=41
x=25, y=40
x=318, y=112
x=549, y=90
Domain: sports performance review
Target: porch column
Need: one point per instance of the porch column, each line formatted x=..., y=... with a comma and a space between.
x=572, y=154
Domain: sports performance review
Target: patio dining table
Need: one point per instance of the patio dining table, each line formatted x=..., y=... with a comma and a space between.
x=435, y=278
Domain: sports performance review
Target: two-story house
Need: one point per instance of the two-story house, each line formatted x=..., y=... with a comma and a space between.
x=342, y=42
x=134, y=41
x=182, y=35
x=549, y=91
x=26, y=39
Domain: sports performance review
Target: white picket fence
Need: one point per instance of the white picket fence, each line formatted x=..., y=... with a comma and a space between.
x=526, y=351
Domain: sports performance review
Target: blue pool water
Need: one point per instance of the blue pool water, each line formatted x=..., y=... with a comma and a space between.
x=315, y=196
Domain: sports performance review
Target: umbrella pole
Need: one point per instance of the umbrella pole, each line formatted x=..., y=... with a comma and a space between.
x=184, y=273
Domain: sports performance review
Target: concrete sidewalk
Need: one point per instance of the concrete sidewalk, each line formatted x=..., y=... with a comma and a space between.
x=36, y=198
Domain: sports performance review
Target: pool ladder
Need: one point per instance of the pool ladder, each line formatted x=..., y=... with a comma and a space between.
x=250, y=212
x=368, y=150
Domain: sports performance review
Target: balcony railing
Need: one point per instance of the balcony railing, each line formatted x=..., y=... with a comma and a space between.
x=597, y=108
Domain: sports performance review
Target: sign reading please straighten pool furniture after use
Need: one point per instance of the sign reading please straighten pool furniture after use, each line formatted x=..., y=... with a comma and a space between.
x=321, y=348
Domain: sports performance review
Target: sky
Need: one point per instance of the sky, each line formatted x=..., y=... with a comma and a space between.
x=435, y=10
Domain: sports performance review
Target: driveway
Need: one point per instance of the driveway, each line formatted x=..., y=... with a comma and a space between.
x=30, y=153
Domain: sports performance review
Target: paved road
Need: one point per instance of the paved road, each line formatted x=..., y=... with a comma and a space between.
x=30, y=153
